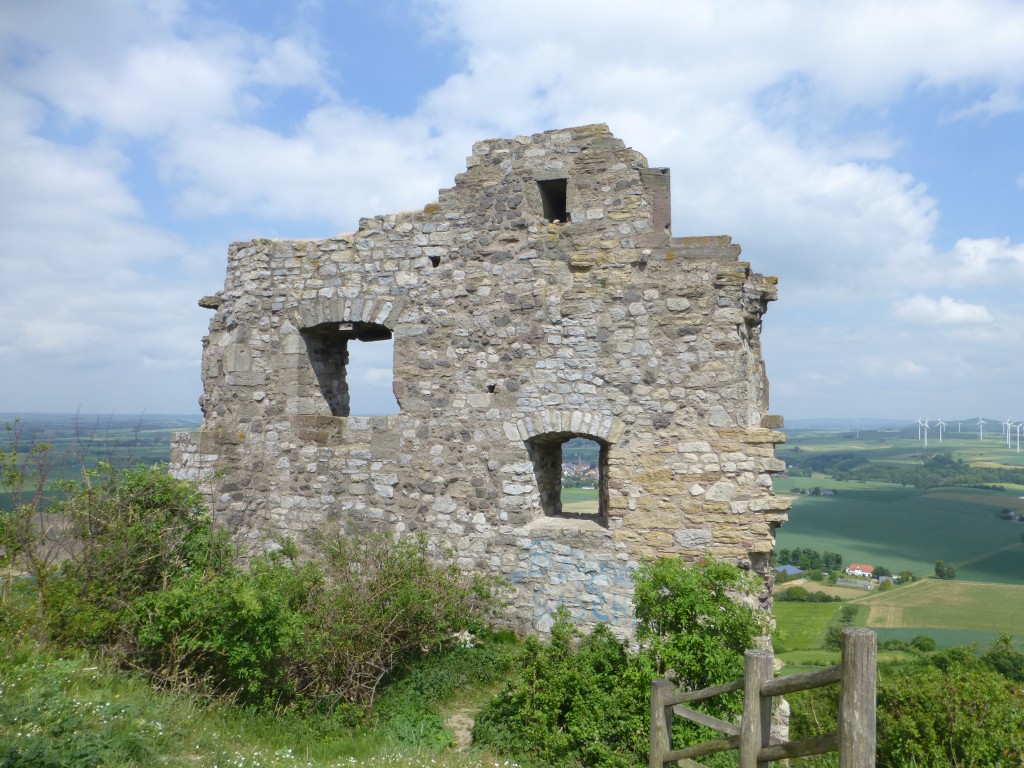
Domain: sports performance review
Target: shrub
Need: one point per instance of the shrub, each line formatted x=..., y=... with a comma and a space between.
x=801, y=595
x=227, y=633
x=689, y=620
x=923, y=643
x=586, y=699
x=578, y=699
x=1005, y=659
x=128, y=533
x=956, y=712
x=383, y=601
x=940, y=710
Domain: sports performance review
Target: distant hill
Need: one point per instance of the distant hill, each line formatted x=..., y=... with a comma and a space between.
x=842, y=424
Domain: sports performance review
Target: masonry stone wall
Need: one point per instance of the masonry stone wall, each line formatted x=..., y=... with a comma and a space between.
x=540, y=298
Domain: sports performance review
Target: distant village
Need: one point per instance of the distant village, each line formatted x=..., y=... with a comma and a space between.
x=579, y=475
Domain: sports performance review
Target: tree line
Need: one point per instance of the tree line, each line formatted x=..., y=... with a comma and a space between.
x=936, y=470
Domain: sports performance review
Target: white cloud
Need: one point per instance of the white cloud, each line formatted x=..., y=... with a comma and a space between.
x=942, y=311
x=986, y=260
x=747, y=103
x=886, y=366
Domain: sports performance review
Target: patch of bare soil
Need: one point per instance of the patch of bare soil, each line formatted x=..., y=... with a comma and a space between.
x=460, y=723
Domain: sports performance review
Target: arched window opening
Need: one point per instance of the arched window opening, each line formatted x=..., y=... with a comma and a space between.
x=572, y=477
x=345, y=369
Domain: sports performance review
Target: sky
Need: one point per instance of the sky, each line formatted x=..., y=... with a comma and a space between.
x=869, y=154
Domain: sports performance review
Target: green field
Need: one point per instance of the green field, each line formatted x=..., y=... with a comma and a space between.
x=937, y=604
x=902, y=447
x=81, y=441
x=801, y=626
x=907, y=529
x=579, y=501
x=950, y=612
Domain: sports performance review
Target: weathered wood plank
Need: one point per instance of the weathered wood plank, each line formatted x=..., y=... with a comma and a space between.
x=661, y=725
x=857, y=699
x=705, y=693
x=755, y=726
x=812, y=745
x=803, y=681
x=729, y=729
x=704, y=748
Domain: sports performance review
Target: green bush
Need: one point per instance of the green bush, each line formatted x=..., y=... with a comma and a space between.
x=585, y=700
x=383, y=601
x=956, y=712
x=576, y=700
x=149, y=582
x=801, y=595
x=689, y=622
x=943, y=709
x=923, y=643
x=1005, y=659
x=127, y=533
x=227, y=633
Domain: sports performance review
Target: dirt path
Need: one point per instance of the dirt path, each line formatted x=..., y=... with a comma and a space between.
x=460, y=723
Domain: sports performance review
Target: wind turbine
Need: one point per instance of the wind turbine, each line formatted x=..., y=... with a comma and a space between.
x=920, y=421
x=941, y=425
x=926, y=428
x=981, y=428
x=1017, y=427
x=1008, y=425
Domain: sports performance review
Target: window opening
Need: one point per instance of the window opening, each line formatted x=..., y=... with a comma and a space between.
x=554, y=198
x=572, y=477
x=367, y=379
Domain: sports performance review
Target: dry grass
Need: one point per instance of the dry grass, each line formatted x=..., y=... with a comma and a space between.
x=950, y=604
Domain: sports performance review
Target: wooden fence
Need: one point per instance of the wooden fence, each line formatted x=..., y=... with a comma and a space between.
x=854, y=740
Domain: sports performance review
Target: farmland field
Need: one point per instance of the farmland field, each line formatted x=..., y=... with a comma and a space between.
x=934, y=603
x=802, y=625
x=908, y=529
x=579, y=501
x=81, y=441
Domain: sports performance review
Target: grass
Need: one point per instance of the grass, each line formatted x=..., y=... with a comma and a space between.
x=579, y=501
x=955, y=605
x=952, y=613
x=73, y=710
x=802, y=625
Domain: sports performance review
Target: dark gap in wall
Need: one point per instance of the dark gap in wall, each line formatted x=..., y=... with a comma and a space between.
x=554, y=197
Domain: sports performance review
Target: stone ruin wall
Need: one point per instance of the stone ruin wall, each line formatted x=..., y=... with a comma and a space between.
x=540, y=298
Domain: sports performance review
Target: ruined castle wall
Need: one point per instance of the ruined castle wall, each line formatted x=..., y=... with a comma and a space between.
x=511, y=334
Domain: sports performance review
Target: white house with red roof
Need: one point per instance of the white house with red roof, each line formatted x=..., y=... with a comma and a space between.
x=860, y=569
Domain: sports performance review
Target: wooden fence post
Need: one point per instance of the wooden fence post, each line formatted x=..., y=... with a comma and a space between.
x=755, y=727
x=857, y=699
x=661, y=724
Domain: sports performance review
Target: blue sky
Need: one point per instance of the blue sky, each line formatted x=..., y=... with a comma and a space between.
x=869, y=154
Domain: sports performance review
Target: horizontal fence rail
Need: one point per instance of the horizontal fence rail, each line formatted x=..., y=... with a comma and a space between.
x=854, y=739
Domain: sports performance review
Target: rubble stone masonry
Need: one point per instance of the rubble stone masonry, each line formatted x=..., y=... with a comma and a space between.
x=541, y=298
